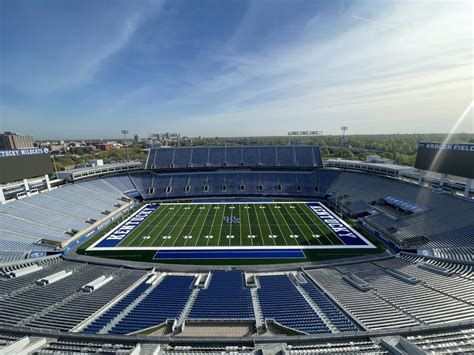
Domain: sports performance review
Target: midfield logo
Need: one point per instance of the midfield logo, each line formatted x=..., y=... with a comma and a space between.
x=232, y=219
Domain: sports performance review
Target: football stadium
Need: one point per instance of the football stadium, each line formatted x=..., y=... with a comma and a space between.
x=234, y=249
x=236, y=177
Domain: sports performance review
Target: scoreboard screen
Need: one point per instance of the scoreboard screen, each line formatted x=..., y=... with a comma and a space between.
x=451, y=158
x=24, y=163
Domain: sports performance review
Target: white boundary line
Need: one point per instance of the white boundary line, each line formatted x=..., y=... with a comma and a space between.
x=93, y=246
x=368, y=245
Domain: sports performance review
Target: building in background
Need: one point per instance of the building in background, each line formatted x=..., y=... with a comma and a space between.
x=11, y=140
x=105, y=146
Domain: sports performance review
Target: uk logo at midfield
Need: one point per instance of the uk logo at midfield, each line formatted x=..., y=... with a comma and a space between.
x=232, y=219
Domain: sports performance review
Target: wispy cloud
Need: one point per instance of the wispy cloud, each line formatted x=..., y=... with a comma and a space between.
x=374, y=22
x=405, y=66
x=69, y=55
x=399, y=80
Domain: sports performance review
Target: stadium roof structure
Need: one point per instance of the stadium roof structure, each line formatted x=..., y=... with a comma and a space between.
x=93, y=171
x=379, y=168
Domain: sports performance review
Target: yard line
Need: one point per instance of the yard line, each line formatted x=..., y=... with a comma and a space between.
x=303, y=208
x=278, y=226
x=218, y=228
x=230, y=224
x=240, y=227
x=250, y=223
x=130, y=240
x=293, y=224
x=210, y=232
x=244, y=226
x=160, y=224
x=196, y=222
x=265, y=225
x=303, y=225
x=236, y=227
x=167, y=218
x=258, y=224
x=178, y=215
x=331, y=233
x=202, y=226
x=184, y=226
x=284, y=224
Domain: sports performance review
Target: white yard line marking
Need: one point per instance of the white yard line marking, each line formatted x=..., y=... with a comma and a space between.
x=202, y=227
x=184, y=225
x=296, y=236
x=278, y=224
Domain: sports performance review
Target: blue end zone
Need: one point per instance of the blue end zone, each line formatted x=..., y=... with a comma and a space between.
x=341, y=229
x=230, y=254
x=113, y=238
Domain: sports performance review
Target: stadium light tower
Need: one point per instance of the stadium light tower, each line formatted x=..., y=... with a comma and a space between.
x=344, y=129
x=125, y=132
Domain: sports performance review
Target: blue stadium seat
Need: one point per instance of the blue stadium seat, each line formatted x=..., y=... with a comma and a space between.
x=225, y=298
x=165, y=301
x=334, y=314
x=280, y=300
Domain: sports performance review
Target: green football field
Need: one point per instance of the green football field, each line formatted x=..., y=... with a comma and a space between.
x=230, y=225
x=252, y=224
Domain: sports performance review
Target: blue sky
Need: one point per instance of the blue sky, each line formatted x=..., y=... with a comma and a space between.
x=77, y=69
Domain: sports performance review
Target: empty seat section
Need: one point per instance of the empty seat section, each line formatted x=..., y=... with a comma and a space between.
x=166, y=301
x=163, y=158
x=268, y=156
x=217, y=157
x=233, y=156
x=75, y=310
x=115, y=310
x=251, y=156
x=151, y=160
x=280, y=300
x=286, y=156
x=305, y=156
x=225, y=298
x=200, y=157
x=334, y=314
x=122, y=182
x=182, y=157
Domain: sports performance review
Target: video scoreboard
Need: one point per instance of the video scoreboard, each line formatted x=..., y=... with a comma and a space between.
x=451, y=158
x=24, y=163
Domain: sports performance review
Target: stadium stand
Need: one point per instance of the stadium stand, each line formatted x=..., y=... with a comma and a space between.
x=152, y=185
x=244, y=157
x=82, y=304
x=50, y=219
x=62, y=304
x=123, y=183
x=458, y=341
x=391, y=301
x=444, y=222
x=333, y=313
x=437, y=341
x=315, y=301
x=280, y=300
x=383, y=305
x=165, y=301
x=99, y=323
x=225, y=298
